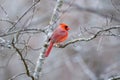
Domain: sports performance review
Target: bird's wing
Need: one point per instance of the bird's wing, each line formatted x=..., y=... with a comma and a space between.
x=59, y=36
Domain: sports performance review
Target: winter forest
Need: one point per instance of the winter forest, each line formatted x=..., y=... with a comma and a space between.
x=91, y=51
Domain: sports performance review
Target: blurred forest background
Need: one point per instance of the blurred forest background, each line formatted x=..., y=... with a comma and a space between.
x=97, y=59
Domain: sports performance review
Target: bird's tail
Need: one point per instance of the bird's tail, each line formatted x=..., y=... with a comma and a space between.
x=49, y=49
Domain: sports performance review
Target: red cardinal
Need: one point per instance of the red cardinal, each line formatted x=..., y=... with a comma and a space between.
x=60, y=34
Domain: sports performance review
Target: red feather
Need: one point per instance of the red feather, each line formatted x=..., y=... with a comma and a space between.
x=49, y=49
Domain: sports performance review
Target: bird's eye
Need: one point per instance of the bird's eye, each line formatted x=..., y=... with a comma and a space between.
x=66, y=27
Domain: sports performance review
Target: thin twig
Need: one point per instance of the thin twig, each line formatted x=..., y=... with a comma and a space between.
x=94, y=11
x=24, y=31
x=4, y=11
x=23, y=15
x=12, y=78
x=5, y=20
x=23, y=60
x=115, y=6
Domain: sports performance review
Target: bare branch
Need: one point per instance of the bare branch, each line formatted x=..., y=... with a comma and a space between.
x=115, y=6
x=4, y=11
x=23, y=60
x=94, y=11
x=56, y=13
x=88, y=39
x=24, y=31
x=24, y=15
x=11, y=22
x=41, y=58
x=114, y=78
x=12, y=78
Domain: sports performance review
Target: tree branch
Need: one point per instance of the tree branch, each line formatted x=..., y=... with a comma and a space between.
x=56, y=14
x=114, y=78
x=23, y=60
x=94, y=11
x=12, y=78
x=35, y=3
x=41, y=58
x=88, y=39
x=24, y=31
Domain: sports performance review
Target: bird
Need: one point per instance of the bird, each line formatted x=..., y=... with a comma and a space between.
x=60, y=34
